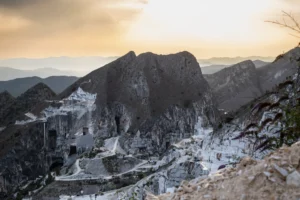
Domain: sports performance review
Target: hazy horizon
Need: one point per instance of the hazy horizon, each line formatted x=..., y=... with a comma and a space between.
x=31, y=28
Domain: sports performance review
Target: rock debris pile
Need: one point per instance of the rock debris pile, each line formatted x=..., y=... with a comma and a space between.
x=276, y=177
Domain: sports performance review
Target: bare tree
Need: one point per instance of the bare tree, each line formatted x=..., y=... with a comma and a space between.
x=289, y=21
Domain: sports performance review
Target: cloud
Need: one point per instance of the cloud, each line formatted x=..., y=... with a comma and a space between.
x=34, y=21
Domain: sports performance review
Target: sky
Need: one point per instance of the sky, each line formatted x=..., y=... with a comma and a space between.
x=206, y=28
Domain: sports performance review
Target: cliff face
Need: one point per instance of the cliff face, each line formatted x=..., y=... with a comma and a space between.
x=236, y=85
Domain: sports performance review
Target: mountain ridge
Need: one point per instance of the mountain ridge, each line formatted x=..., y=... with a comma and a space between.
x=234, y=88
x=18, y=86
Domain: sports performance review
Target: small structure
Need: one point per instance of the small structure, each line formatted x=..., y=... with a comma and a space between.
x=85, y=130
x=84, y=142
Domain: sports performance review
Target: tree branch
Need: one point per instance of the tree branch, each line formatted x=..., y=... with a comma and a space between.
x=293, y=25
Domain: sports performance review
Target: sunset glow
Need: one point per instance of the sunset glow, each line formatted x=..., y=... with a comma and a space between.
x=112, y=28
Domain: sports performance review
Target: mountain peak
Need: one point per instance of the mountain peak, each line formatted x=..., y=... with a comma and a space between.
x=128, y=56
x=40, y=89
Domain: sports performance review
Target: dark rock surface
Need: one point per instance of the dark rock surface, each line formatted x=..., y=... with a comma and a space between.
x=236, y=85
x=5, y=101
x=284, y=66
x=239, y=84
x=21, y=156
x=27, y=102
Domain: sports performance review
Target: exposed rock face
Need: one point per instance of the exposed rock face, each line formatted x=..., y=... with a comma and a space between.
x=275, y=177
x=27, y=102
x=239, y=84
x=21, y=156
x=236, y=85
x=285, y=65
x=154, y=94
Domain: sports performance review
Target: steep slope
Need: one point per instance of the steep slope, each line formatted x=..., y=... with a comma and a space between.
x=239, y=84
x=236, y=85
x=284, y=66
x=26, y=103
x=18, y=86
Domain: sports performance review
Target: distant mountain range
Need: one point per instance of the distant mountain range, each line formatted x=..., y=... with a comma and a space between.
x=231, y=61
x=80, y=66
x=7, y=73
x=18, y=86
x=52, y=66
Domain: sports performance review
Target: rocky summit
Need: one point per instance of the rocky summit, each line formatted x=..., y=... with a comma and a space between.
x=143, y=124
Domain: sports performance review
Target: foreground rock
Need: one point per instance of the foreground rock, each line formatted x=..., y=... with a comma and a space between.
x=275, y=177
